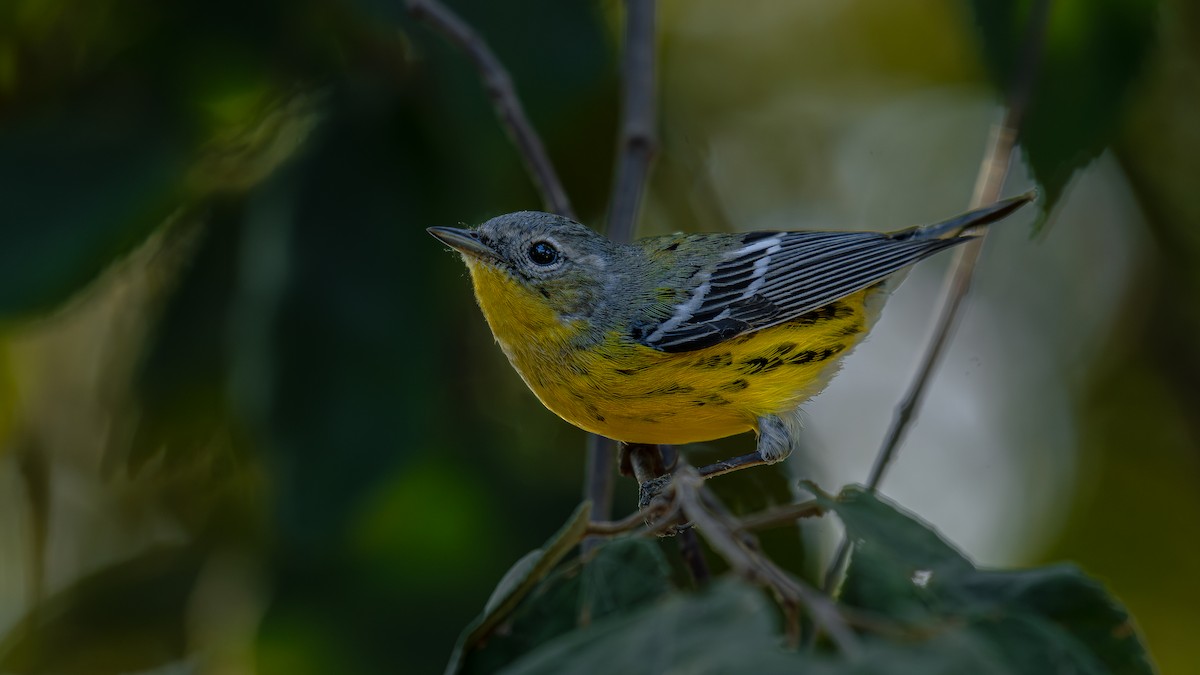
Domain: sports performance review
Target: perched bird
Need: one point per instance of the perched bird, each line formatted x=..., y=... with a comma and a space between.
x=687, y=337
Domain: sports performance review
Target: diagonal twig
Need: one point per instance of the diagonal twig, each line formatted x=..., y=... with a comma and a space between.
x=722, y=533
x=499, y=86
x=992, y=171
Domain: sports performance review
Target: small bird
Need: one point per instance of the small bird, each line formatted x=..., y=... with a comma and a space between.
x=687, y=337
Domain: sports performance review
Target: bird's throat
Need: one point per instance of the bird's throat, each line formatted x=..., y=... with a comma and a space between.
x=526, y=326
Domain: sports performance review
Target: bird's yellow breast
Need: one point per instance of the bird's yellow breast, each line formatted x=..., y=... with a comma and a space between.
x=616, y=387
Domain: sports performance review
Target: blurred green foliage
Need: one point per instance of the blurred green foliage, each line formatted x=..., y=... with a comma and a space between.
x=293, y=391
x=248, y=415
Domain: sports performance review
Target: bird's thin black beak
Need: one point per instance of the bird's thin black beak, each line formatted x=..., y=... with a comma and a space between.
x=463, y=241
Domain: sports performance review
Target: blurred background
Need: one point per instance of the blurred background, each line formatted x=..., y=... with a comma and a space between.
x=251, y=421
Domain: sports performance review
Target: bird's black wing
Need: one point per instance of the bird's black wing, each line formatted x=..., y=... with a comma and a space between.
x=775, y=277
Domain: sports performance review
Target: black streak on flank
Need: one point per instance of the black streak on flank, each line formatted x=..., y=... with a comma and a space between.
x=815, y=355
x=630, y=371
x=765, y=364
x=595, y=413
x=714, y=361
x=783, y=349
x=671, y=389
x=760, y=364
x=736, y=385
x=715, y=399
x=672, y=246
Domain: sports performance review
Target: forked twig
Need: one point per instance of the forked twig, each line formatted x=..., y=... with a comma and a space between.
x=499, y=86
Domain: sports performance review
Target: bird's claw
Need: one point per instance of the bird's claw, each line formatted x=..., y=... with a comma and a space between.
x=651, y=489
x=656, y=501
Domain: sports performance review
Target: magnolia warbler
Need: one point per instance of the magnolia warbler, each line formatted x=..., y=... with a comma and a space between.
x=687, y=337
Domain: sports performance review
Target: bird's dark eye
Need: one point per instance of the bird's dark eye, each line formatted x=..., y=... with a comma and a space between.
x=543, y=253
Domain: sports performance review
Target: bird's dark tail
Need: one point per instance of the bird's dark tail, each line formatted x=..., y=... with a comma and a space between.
x=966, y=224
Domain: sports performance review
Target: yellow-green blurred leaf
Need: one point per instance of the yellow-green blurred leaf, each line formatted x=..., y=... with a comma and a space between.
x=129, y=616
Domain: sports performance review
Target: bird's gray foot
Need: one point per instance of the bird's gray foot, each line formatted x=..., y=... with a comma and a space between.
x=776, y=437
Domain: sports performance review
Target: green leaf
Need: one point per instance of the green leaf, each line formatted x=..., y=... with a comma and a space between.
x=621, y=577
x=1051, y=619
x=1032, y=645
x=1093, y=52
x=520, y=579
x=520, y=574
x=1065, y=599
x=890, y=552
x=623, y=574
x=686, y=633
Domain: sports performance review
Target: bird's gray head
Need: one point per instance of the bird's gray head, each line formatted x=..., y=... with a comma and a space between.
x=556, y=257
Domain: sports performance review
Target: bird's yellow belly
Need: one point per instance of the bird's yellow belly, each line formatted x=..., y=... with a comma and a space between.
x=629, y=392
x=632, y=393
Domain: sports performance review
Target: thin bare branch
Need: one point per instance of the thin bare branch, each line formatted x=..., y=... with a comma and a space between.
x=778, y=516
x=639, y=137
x=988, y=184
x=499, y=86
x=608, y=528
x=598, y=480
x=992, y=172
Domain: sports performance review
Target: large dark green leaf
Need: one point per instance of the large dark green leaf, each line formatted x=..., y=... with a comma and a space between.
x=1051, y=619
x=623, y=574
x=1092, y=54
x=732, y=628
